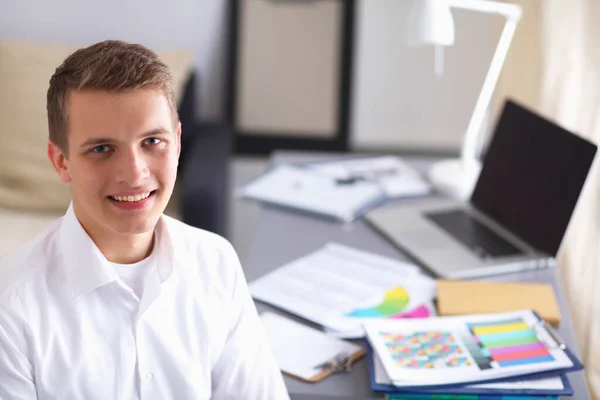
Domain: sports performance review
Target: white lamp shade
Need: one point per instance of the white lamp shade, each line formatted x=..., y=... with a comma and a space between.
x=430, y=22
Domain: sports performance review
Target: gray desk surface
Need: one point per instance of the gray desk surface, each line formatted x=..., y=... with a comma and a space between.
x=283, y=236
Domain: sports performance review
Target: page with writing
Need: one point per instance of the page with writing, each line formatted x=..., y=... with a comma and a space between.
x=339, y=287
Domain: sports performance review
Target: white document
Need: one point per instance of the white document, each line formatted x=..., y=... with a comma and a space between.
x=554, y=383
x=307, y=190
x=452, y=350
x=340, y=287
x=394, y=175
x=299, y=349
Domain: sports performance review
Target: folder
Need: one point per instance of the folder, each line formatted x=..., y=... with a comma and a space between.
x=417, y=396
x=472, y=297
x=392, y=390
x=557, y=348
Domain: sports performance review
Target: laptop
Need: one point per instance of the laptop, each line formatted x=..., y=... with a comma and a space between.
x=515, y=220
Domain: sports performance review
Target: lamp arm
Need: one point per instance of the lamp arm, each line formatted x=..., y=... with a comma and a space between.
x=489, y=6
x=458, y=177
x=471, y=142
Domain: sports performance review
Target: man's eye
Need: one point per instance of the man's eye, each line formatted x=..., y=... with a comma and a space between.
x=101, y=149
x=152, y=141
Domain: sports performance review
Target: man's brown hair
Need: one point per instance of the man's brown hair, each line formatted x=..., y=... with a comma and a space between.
x=113, y=66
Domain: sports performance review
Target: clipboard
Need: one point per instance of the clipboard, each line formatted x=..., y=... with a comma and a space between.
x=541, y=324
x=306, y=353
x=388, y=388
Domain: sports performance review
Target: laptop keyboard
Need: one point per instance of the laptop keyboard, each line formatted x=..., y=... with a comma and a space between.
x=476, y=236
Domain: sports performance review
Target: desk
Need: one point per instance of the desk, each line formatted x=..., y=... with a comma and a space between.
x=283, y=236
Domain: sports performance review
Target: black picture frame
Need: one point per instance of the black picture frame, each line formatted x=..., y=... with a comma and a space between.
x=260, y=143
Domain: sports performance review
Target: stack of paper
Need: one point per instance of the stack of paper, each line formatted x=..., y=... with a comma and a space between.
x=504, y=354
x=344, y=189
x=340, y=287
x=396, y=177
x=301, y=189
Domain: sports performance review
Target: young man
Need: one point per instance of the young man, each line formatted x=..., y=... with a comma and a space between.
x=116, y=300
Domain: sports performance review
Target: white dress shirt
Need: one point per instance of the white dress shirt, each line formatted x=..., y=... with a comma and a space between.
x=71, y=329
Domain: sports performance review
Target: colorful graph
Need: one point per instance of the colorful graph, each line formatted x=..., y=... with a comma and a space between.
x=509, y=343
x=425, y=350
x=394, y=302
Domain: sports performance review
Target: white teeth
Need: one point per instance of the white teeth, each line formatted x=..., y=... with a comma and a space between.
x=131, y=199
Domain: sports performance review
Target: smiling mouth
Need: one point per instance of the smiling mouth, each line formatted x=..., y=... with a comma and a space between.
x=132, y=199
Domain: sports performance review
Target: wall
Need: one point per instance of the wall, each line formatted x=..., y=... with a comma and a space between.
x=398, y=100
x=196, y=24
x=522, y=73
x=399, y=103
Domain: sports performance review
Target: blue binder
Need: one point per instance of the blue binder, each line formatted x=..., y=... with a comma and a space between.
x=465, y=397
x=459, y=388
x=449, y=389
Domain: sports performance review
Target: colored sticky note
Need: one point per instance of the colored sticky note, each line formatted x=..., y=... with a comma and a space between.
x=482, y=330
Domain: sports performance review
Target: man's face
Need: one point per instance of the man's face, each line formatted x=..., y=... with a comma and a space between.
x=122, y=159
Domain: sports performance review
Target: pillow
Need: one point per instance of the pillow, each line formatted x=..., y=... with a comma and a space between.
x=27, y=179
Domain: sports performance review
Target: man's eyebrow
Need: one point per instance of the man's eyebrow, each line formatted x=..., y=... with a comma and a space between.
x=156, y=131
x=97, y=141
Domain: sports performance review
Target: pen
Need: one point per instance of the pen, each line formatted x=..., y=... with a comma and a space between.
x=366, y=176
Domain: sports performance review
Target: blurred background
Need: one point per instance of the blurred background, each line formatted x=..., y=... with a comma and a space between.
x=258, y=76
x=326, y=75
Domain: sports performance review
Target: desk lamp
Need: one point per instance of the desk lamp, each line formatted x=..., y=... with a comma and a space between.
x=430, y=23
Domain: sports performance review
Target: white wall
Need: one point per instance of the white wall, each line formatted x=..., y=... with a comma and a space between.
x=398, y=101
x=196, y=24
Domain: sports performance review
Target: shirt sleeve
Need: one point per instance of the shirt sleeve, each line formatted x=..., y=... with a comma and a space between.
x=16, y=372
x=247, y=368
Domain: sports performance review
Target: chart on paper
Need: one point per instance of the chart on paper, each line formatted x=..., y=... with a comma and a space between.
x=465, y=348
x=505, y=343
x=425, y=350
x=339, y=287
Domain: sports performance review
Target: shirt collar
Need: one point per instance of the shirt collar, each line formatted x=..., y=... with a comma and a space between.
x=86, y=268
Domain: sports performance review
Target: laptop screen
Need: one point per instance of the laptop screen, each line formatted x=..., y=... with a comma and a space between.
x=532, y=176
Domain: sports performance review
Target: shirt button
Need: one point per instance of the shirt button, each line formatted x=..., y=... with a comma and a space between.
x=149, y=377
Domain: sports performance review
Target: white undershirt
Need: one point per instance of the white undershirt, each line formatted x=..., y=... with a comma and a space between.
x=133, y=275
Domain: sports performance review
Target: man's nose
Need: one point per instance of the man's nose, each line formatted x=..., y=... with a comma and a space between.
x=132, y=168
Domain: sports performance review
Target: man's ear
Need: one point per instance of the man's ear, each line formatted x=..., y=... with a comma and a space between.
x=178, y=139
x=59, y=162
